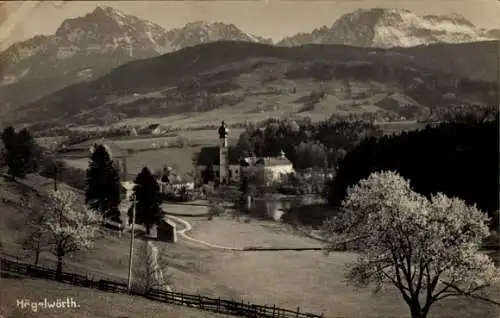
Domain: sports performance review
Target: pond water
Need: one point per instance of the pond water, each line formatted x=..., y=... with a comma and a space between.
x=276, y=208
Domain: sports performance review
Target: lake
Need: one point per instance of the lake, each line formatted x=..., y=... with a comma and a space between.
x=275, y=208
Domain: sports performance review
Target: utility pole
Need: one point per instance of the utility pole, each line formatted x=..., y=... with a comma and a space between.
x=55, y=176
x=131, y=244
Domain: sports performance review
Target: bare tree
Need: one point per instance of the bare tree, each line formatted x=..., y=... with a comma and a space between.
x=149, y=268
x=36, y=239
x=427, y=249
x=70, y=228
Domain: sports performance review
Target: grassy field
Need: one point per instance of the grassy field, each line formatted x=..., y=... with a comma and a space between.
x=193, y=138
x=179, y=158
x=308, y=279
x=92, y=303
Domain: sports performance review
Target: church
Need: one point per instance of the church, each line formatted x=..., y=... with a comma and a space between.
x=228, y=166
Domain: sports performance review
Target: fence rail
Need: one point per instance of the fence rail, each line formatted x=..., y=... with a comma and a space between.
x=230, y=307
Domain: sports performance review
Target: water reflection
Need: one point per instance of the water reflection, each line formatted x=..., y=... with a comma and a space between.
x=276, y=208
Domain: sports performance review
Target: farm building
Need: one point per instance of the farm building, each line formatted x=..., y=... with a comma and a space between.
x=153, y=129
x=166, y=231
x=228, y=166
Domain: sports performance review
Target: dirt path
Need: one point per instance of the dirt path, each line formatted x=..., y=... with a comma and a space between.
x=186, y=227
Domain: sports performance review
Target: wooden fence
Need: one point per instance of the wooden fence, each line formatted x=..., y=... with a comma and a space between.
x=230, y=307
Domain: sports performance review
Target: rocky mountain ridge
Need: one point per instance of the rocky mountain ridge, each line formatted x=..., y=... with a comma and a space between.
x=87, y=47
x=385, y=28
x=83, y=49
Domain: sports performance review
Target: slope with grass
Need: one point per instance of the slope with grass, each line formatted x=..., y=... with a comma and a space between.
x=238, y=80
x=91, y=303
x=308, y=279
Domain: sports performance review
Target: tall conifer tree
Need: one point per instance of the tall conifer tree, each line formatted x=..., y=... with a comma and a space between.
x=103, y=183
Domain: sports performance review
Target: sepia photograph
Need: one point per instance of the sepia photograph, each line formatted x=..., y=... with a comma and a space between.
x=270, y=158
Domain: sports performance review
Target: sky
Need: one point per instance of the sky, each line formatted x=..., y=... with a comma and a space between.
x=273, y=19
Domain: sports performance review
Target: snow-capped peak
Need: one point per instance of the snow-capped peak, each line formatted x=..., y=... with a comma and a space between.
x=389, y=27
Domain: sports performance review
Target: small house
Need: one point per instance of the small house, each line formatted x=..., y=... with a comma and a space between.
x=166, y=231
x=153, y=129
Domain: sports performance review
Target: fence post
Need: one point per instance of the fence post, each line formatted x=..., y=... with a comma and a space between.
x=298, y=311
x=200, y=302
x=274, y=310
x=218, y=304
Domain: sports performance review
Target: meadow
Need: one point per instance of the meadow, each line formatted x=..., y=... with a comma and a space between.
x=309, y=279
x=92, y=303
x=155, y=152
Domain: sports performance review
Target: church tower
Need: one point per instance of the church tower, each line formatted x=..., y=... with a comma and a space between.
x=223, y=154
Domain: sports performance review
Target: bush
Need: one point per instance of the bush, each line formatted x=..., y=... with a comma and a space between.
x=215, y=209
x=181, y=141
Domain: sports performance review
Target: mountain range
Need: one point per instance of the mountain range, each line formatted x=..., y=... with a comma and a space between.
x=385, y=28
x=106, y=42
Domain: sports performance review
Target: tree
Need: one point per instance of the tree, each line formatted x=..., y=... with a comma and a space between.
x=103, y=183
x=20, y=152
x=433, y=158
x=426, y=248
x=165, y=174
x=69, y=229
x=28, y=151
x=244, y=144
x=2, y=155
x=35, y=240
x=310, y=155
x=147, y=190
x=149, y=266
x=208, y=174
x=53, y=169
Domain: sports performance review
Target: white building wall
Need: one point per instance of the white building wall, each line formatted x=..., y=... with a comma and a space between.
x=275, y=173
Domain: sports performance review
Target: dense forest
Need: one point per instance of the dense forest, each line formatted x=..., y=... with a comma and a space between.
x=460, y=159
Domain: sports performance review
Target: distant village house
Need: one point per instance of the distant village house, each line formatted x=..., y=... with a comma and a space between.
x=153, y=129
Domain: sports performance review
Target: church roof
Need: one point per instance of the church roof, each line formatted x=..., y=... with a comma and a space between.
x=210, y=155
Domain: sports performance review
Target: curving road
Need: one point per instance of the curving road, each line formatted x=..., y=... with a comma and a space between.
x=187, y=227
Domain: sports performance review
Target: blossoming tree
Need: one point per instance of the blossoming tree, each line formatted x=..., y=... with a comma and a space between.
x=427, y=248
x=69, y=228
